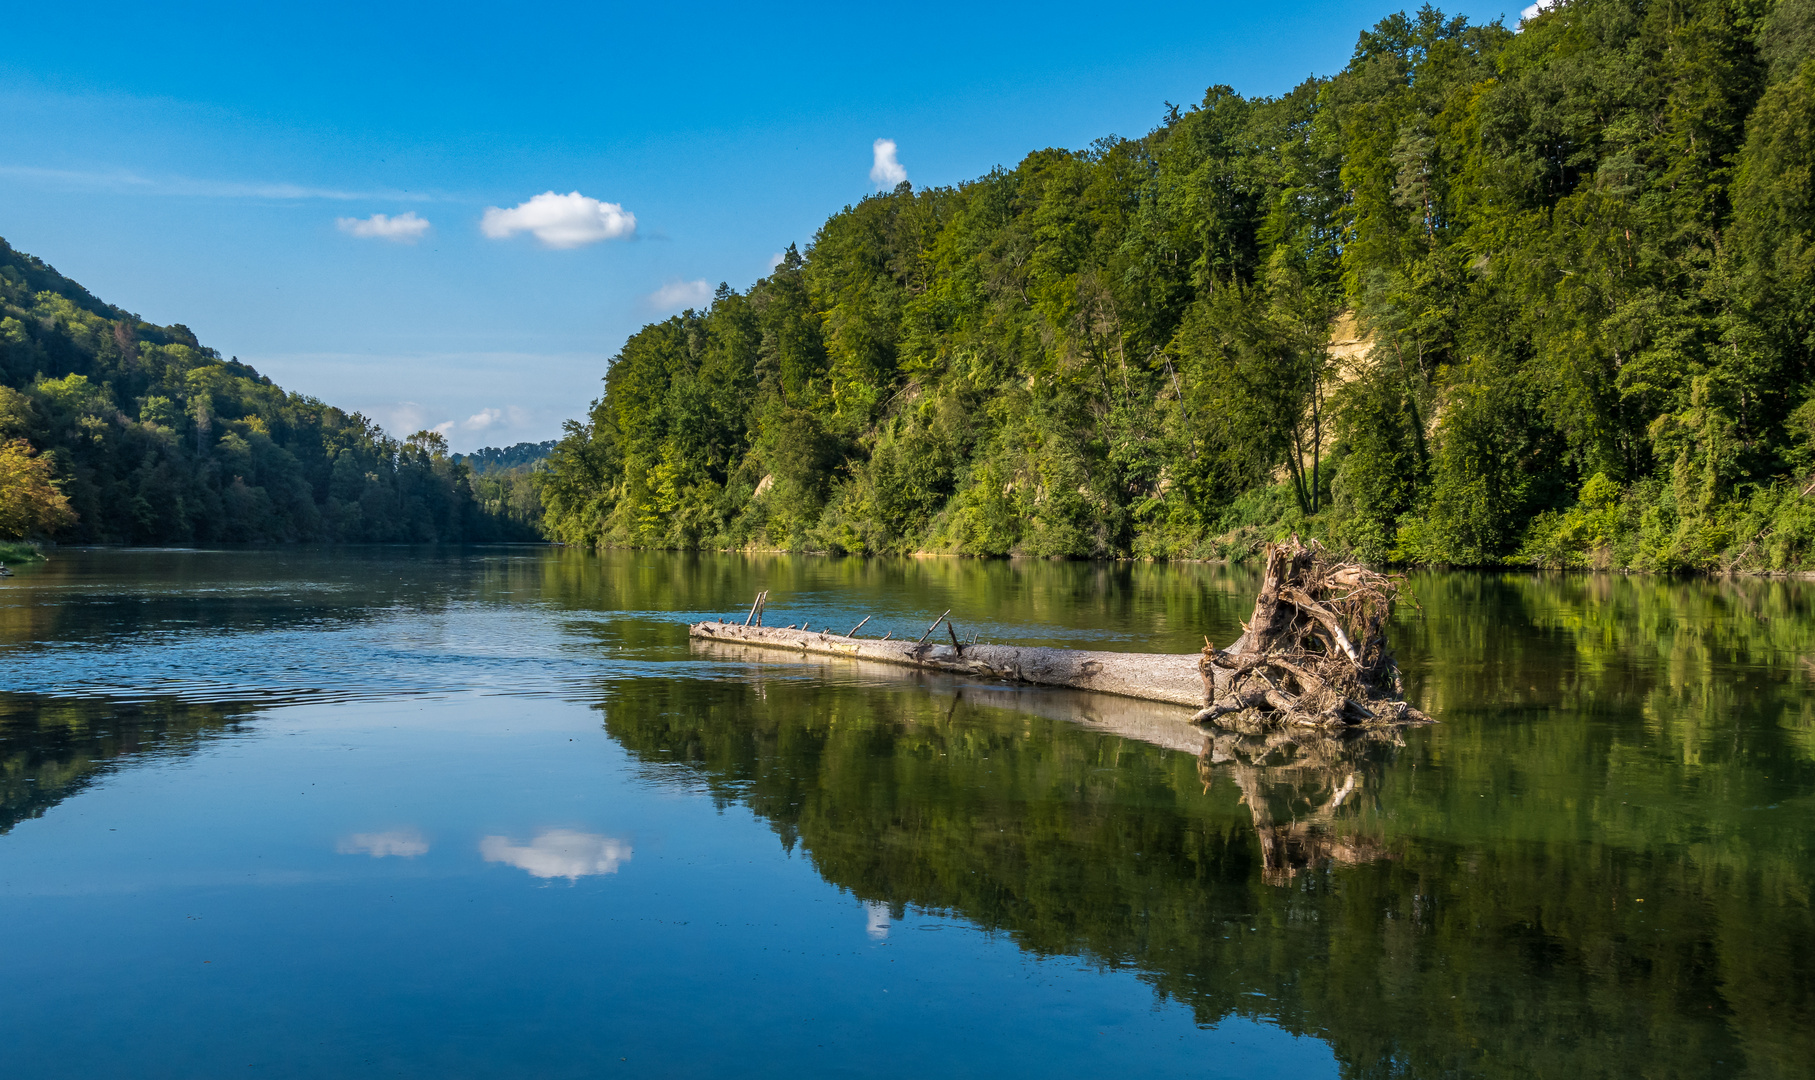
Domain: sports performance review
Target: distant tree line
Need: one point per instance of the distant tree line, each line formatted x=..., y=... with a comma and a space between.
x=1576, y=264
x=507, y=482
x=125, y=432
x=519, y=455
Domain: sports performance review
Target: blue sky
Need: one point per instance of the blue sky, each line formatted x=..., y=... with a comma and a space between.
x=219, y=165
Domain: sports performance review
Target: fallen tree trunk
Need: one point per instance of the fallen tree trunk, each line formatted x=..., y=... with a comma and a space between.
x=1168, y=677
x=1313, y=655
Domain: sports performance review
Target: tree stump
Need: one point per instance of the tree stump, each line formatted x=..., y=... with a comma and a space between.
x=1314, y=652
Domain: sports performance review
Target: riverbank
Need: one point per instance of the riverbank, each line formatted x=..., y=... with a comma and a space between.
x=20, y=551
x=1242, y=549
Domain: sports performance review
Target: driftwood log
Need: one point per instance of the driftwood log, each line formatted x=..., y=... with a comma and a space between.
x=1167, y=677
x=1313, y=655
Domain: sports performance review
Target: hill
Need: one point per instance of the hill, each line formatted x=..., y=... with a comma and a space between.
x=507, y=481
x=153, y=438
x=1575, y=266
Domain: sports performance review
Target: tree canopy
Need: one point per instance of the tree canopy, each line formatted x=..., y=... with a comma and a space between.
x=1480, y=297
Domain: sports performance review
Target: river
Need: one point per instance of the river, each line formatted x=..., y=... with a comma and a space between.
x=486, y=812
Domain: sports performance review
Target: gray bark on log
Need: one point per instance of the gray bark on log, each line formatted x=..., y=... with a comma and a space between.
x=1168, y=677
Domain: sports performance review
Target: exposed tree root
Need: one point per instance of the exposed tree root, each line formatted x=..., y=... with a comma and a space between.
x=1314, y=653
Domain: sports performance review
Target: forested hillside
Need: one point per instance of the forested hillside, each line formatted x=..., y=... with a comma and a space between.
x=506, y=481
x=152, y=438
x=1576, y=264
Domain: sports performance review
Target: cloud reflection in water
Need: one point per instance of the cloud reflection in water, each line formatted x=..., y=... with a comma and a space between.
x=876, y=920
x=559, y=853
x=405, y=842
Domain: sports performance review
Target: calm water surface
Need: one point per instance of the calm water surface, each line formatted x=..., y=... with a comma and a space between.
x=487, y=813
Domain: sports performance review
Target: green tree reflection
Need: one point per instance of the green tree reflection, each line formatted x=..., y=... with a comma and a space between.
x=1581, y=871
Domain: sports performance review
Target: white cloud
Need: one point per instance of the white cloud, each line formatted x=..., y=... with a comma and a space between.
x=402, y=419
x=405, y=228
x=560, y=221
x=483, y=419
x=407, y=391
x=680, y=294
x=559, y=853
x=402, y=416
x=887, y=171
x=1537, y=9
x=407, y=843
x=775, y=260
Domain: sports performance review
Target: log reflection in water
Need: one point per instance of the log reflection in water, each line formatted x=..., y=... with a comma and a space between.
x=1148, y=721
x=1305, y=792
x=1305, y=789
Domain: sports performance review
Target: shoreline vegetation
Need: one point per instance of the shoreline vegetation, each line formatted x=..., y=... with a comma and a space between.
x=15, y=552
x=1249, y=559
x=1481, y=298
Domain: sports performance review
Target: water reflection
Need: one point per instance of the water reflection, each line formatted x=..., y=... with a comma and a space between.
x=1307, y=792
x=1464, y=903
x=404, y=843
x=209, y=625
x=876, y=920
x=1405, y=903
x=559, y=853
x=52, y=749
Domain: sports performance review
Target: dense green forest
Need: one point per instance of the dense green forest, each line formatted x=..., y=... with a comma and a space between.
x=152, y=438
x=507, y=480
x=1484, y=296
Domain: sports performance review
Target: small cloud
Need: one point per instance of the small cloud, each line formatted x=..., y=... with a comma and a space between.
x=483, y=419
x=775, y=260
x=680, y=294
x=1536, y=10
x=443, y=428
x=560, y=221
x=407, y=843
x=402, y=416
x=405, y=228
x=559, y=853
x=887, y=171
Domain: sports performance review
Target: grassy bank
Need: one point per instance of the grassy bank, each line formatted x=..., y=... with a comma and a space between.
x=19, y=551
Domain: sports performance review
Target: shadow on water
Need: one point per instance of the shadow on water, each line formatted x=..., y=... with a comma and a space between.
x=1598, y=863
